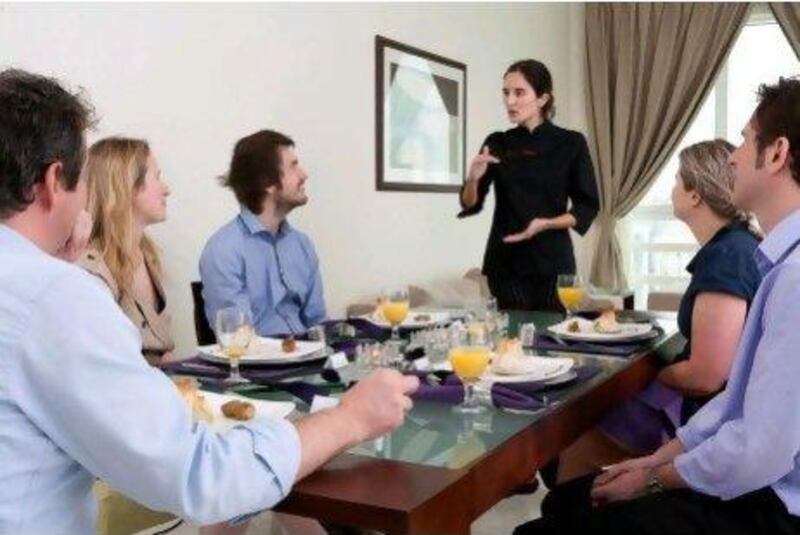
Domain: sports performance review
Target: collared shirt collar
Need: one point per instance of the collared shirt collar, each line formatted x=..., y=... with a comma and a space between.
x=18, y=239
x=541, y=129
x=778, y=243
x=254, y=224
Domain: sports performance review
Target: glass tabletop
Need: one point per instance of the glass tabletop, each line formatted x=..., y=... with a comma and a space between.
x=434, y=435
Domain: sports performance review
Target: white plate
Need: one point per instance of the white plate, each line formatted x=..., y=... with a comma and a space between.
x=628, y=331
x=265, y=410
x=435, y=318
x=563, y=378
x=536, y=369
x=268, y=351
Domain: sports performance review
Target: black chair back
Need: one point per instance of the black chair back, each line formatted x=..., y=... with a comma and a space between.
x=205, y=334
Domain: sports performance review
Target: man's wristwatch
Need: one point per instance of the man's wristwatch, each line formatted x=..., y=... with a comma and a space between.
x=654, y=485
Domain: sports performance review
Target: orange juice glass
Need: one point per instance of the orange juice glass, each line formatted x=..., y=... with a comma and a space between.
x=469, y=363
x=571, y=292
x=394, y=307
x=395, y=311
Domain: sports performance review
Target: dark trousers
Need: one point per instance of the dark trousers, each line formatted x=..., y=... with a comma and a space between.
x=526, y=294
x=567, y=510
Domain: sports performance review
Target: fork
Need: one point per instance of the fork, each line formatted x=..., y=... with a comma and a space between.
x=432, y=379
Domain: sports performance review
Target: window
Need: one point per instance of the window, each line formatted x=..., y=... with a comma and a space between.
x=658, y=247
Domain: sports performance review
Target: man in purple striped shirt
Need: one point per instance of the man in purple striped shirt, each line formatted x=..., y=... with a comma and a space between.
x=735, y=466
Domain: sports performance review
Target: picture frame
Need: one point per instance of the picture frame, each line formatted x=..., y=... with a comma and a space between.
x=420, y=119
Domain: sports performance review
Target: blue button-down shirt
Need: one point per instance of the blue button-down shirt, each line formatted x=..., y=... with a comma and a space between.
x=748, y=436
x=274, y=275
x=78, y=402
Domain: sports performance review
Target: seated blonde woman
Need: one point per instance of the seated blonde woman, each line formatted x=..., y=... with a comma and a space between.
x=126, y=195
x=711, y=317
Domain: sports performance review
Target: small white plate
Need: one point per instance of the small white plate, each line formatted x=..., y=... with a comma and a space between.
x=536, y=369
x=265, y=410
x=413, y=320
x=268, y=351
x=586, y=333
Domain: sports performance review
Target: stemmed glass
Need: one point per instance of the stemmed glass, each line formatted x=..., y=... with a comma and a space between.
x=395, y=305
x=234, y=331
x=469, y=363
x=571, y=292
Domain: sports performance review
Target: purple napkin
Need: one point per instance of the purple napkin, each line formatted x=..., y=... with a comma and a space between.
x=506, y=395
x=582, y=373
x=544, y=342
x=453, y=393
x=199, y=367
x=364, y=328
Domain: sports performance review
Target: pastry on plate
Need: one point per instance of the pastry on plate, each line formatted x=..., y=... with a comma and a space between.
x=607, y=323
x=289, y=344
x=509, y=358
x=239, y=410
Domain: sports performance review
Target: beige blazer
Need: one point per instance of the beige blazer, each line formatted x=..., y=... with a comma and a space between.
x=154, y=326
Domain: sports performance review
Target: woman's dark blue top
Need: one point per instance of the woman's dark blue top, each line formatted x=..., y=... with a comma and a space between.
x=723, y=265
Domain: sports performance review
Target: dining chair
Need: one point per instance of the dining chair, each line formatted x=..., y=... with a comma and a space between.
x=203, y=331
x=664, y=301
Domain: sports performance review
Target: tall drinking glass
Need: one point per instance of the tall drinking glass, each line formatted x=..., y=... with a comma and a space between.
x=571, y=292
x=234, y=333
x=469, y=363
x=395, y=307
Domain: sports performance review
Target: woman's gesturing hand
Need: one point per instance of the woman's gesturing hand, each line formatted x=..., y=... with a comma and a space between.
x=479, y=164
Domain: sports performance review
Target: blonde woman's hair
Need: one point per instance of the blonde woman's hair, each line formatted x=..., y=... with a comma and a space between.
x=115, y=169
x=704, y=169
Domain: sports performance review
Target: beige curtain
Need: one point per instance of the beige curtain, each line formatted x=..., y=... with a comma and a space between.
x=788, y=15
x=649, y=67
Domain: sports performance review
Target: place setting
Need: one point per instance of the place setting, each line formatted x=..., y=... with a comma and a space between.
x=394, y=313
x=506, y=379
x=605, y=332
x=243, y=361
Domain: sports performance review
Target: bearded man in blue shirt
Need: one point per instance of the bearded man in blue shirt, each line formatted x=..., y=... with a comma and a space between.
x=258, y=261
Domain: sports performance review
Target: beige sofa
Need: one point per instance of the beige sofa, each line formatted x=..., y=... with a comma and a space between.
x=469, y=291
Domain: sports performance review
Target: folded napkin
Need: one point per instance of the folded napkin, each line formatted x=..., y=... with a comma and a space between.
x=519, y=396
x=547, y=342
x=199, y=367
x=363, y=328
x=555, y=391
x=453, y=393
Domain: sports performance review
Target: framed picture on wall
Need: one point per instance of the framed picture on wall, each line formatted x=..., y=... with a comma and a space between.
x=420, y=119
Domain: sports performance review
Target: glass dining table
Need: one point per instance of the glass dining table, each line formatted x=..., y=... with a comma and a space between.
x=440, y=470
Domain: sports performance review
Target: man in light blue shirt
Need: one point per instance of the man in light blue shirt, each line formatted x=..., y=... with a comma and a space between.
x=735, y=466
x=258, y=261
x=78, y=402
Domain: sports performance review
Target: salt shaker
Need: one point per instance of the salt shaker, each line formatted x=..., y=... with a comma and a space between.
x=527, y=334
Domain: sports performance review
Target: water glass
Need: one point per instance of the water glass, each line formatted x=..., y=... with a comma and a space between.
x=234, y=330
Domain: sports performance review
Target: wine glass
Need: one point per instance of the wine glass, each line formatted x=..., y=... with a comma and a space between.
x=234, y=332
x=571, y=292
x=469, y=363
x=394, y=308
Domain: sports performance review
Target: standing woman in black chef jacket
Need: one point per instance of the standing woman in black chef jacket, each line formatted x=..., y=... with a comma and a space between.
x=544, y=185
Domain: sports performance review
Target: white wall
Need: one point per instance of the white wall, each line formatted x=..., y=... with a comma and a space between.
x=194, y=78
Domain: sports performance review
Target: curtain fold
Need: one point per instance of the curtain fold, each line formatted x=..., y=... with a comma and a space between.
x=649, y=67
x=788, y=16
